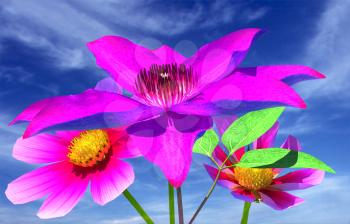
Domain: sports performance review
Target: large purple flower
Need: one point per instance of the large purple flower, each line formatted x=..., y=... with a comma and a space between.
x=172, y=97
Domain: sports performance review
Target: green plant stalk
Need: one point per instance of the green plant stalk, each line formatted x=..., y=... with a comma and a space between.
x=137, y=207
x=171, y=204
x=245, y=214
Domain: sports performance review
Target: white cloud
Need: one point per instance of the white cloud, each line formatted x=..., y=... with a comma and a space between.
x=328, y=51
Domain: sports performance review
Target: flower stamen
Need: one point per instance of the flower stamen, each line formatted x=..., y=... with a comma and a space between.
x=254, y=178
x=89, y=148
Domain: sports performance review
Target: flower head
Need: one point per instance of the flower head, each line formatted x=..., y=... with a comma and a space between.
x=73, y=158
x=264, y=184
x=172, y=97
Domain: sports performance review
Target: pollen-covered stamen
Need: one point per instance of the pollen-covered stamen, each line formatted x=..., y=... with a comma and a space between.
x=254, y=178
x=89, y=148
x=166, y=85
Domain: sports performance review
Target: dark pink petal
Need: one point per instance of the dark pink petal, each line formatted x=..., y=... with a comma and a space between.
x=239, y=153
x=225, y=174
x=299, y=179
x=220, y=156
x=122, y=59
x=217, y=59
x=89, y=110
x=291, y=143
x=108, y=85
x=36, y=184
x=279, y=200
x=169, y=55
x=289, y=74
x=30, y=112
x=66, y=195
x=170, y=149
x=267, y=139
x=241, y=93
x=243, y=194
x=120, y=141
x=43, y=148
x=109, y=183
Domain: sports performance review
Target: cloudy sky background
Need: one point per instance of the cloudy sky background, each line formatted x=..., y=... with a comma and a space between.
x=43, y=54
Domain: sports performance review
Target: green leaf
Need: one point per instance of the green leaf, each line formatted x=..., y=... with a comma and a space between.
x=206, y=144
x=249, y=127
x=281, y=158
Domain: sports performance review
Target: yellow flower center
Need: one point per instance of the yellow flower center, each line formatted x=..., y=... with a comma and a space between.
x=254, y=178
x=89, y=148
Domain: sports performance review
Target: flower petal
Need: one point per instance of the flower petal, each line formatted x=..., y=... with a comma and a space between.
x=30, y=112
x=89, y=110
x=169, y=55
x=35, y=184
x=279, y=200
x=299, y=179
x=122, y=59
x=290, y=74
x=120, y=142
x=220, y=156
x=240, y=93
x=267, y=139
x=243, y=194
x=291, y=143
x=108, y=85
x=170, y=150
x=223, y=122
x=43, y=148
x=109, y=183
x=217, y=59
x=66, y=195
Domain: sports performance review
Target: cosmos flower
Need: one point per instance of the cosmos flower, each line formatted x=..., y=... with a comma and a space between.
x=264, y=184
x=73, y=158
x=170, y=98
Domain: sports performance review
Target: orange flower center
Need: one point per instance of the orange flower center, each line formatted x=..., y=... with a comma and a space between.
x=89, y=148
x=254, y=178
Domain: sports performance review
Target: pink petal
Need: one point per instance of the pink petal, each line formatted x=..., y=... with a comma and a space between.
x=89, y=110
x=299, y=179
x=169, y=55
x=243, y=194
x=239, y=93
x=289, y=74
x=35, y=184
x=239, y=153
x=171, y=150
x=43, y=148
x=291, y=143
x=30, y=112
x=267, y=139
x=66, y=195
x=109, y=183
x=122, y=59
x=217, y=59
x=220, y=156
x=279, y=200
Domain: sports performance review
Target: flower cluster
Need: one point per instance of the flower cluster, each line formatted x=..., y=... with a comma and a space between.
x=154, y=105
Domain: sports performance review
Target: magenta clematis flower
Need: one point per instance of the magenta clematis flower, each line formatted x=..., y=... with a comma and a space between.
x=172, y=97
x=263, y=184
x=75, y=158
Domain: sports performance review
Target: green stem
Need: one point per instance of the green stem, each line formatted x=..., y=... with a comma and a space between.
x=171, y=204
x=245, y=212
x=137, y=207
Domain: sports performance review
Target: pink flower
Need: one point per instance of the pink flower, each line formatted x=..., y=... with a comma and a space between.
x=172, y=97
x=263, y=184
x=74, y=159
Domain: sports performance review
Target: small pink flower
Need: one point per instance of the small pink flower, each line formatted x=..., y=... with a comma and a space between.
x=75, y=158
x=263, y=184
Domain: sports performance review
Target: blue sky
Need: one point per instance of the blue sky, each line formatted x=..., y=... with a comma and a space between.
x=43, y=54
